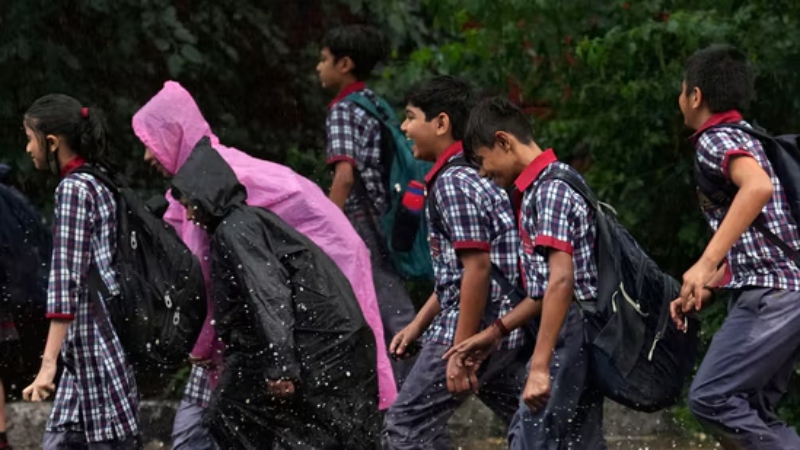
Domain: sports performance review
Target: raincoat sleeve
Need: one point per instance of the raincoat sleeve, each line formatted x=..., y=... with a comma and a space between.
x=245, y=262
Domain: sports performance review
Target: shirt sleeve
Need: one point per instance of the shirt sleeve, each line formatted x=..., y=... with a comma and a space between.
x=72, y=251
x=555, y=225
x=463, y=212
x=342, y=135
x=716, y=148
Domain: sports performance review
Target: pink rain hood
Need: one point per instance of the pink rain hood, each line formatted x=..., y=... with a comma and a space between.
x=171, y=123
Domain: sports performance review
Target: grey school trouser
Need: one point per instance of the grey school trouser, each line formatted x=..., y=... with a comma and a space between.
x=190, y=431
x=418, y=418
x=573, y=416
x=747, y=369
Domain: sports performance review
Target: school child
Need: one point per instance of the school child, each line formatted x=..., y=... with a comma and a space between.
x=299, y=368
x=169, y=126
x=471, y=228
x=561, y=406
x=751, y=358
x=96, y=403
x=353, y=150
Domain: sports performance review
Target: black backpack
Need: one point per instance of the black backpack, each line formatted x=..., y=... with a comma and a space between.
x=161, y=307
x=783, y=153
x=640, y=358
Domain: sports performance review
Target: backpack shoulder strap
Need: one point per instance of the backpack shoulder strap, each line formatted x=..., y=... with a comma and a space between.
x=576, y=183
x=110, y=181
x=435, y=216
x=379, y=111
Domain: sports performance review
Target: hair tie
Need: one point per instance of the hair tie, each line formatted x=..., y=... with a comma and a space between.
x=85, y=112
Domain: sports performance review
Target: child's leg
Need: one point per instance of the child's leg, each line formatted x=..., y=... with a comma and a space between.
x=502, y=381
x=418, y=418
x=747, y=369
x=573, y=416
x=188, y=430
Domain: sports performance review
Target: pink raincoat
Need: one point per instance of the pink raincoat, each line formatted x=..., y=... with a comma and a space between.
x=171, y=123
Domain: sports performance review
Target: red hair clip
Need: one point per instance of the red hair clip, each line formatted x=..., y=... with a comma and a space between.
x=85, y=112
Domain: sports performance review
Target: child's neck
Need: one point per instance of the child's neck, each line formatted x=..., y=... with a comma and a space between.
x=347, y=80
x=526, y=153
x=701, y=119
x=443, y=145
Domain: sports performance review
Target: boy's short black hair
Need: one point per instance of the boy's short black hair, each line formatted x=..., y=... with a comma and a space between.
x=490, y=116
x=444, y=94
x=363, y=44
x=722, y=74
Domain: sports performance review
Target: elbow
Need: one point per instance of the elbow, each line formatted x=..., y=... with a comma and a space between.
x=763, y=191
x=563, y=283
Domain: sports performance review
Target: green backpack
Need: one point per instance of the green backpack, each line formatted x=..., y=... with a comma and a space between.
x=403, y=224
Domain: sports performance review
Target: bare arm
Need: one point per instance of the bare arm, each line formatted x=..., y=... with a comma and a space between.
x=343, y=179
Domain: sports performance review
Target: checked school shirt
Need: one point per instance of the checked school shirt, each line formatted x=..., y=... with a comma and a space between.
x=753, y=261
x=475, y=214
x=554, y=216
x=97, y=392
x=354, y=136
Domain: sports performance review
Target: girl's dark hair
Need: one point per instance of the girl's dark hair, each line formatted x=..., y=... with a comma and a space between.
x=83, y=128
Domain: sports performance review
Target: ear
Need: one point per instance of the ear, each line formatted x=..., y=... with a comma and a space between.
x=52, y=142
x=504, y=141
x=345, y=65
x=443, y=124
x=696, y=98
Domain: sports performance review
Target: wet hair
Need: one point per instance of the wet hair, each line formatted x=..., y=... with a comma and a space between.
x=444, y=94
x=363, y=44
x=490, y=116
x=84, y=129
x=722, y=74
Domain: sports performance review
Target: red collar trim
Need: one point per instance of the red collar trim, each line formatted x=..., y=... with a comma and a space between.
x=453, y=150
x=73, y=164
x=347, y=90
x=731, y=116
x=529, y=175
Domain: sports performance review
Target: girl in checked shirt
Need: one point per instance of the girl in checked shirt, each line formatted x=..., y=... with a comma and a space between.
x=96, y=401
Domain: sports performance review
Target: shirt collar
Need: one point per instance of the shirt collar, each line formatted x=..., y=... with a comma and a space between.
x=347, y=90
x=529, y=175
x=730, y=116
x=73, y=164
x=453, y=150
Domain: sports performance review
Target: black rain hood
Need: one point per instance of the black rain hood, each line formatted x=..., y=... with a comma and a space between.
x=208, y=182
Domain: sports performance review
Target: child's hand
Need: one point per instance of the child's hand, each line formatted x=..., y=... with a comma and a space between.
x=404, y=338
x=537, y=389
x=282, y=388
x=473, y=351
x=42, y=386
x=460, y=378
x=695, y=280
x=676, y=311
x=206, y=363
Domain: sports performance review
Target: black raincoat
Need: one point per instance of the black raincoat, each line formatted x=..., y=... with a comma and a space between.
x=285, y=312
